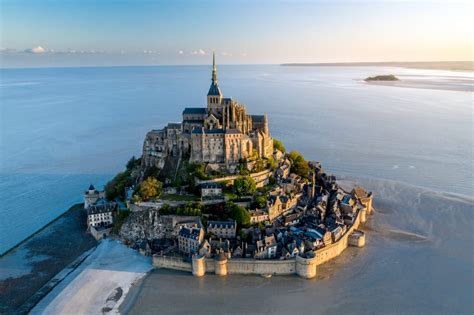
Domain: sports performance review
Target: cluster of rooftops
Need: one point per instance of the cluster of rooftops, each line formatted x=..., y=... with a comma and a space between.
x=322, y=214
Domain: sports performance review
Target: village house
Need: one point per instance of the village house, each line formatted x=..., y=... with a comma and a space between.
x=266, y=248
x=190, y=239
x=101, y=215
x=283, y=169
x=257, y=216
x=222, y=229
x=211, y=190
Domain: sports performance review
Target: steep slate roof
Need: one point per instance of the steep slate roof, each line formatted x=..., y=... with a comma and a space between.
x=102, y=208
x=195, y=110
x=214, y=90
x=191, y=233
x=210, y=185
x=258, y=118
x=221, y=224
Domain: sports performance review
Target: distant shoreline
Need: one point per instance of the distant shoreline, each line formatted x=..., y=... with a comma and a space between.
x=431, y=65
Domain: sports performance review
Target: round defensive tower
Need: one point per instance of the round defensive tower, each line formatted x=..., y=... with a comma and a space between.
x=199, y=266
x=306, y=267
x=357, y=239
x=363, y=215
x=221, y=265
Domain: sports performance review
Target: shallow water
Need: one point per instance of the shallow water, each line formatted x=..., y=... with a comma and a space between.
x=62, y=129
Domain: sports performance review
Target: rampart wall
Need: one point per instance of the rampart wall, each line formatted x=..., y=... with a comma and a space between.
x=303, y=267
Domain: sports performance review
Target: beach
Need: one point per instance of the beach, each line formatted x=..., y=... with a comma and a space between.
x=99, y=284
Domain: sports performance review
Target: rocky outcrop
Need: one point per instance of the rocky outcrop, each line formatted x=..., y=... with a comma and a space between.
x=143, y=225
x=150, y=225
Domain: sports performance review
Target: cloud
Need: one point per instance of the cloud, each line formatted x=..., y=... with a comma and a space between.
x=180, y=52
x=36, y=50
x=226, y=54
x=198, y=52
x=244, y=54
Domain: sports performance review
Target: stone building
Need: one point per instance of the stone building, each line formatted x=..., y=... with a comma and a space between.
x=211, y=190
x=222, y=229
x=190, y=239
x=101, y=215
x=222, y=133
x=91, y=196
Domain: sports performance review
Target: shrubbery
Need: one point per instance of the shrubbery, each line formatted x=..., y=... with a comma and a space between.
x=244, y=186
x=149, y=188
x=191, y=208
x=238, y=213
x=277, y=144
x=116, y=187
x=298, y=164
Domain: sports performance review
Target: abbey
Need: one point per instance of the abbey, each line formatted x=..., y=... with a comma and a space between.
x=220, y=134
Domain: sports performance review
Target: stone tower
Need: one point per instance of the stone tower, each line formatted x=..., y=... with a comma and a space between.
x=214, y=96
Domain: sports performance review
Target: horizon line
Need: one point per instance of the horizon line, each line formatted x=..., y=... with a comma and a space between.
x=336, y=63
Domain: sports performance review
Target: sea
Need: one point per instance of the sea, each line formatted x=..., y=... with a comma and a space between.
x=62, y=129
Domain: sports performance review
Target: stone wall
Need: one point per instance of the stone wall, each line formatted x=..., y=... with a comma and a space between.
x=175, y=263
x=303, y=267
x=261, y=178
x=332, y=251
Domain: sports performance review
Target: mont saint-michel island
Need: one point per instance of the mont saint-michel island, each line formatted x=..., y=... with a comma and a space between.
x=216, y=194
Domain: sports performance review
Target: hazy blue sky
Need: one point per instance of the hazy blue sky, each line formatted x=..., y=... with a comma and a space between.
x=84, y=32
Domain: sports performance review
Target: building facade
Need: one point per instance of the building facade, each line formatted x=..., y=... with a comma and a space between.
x=190, y=239
x=221, y=133
x=222, y=229
x=101, y=215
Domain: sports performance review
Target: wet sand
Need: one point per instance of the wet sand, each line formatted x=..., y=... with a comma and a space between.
x=418, y=260
x=30, y=265
x=99, y=284
x=452, y=85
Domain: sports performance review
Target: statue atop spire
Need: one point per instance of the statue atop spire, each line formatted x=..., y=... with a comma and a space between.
x=214, y=68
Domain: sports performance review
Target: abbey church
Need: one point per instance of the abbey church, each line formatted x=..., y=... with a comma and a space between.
x=220, y=134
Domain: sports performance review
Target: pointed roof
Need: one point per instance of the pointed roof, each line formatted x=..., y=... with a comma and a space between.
x=214, y=88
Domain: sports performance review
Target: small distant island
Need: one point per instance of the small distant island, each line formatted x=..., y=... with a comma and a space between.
x=389, y=77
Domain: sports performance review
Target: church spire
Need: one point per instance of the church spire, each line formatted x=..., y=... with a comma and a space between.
x=214, y=68
x=214, y=89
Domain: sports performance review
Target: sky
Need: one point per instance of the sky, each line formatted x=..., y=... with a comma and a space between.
x=48, y=33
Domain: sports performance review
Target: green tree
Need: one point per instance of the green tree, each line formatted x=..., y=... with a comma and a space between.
x=133, y=163
x=244, y=186
x=277, y=144
x=298, y=164
x=149, y=188
x=116, y=187
x=261, y=201
x=238, y=213
x=191, y=208
x=198, y=170
x=271, y=163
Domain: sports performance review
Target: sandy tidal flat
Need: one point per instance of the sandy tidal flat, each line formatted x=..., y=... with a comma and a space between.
x=99, y=284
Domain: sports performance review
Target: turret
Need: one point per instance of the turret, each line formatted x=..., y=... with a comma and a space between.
x=214, y=96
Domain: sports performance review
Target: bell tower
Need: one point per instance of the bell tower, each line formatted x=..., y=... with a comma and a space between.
x=214, y=96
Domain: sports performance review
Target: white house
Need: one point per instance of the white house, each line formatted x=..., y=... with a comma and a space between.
x=211, y=190
x=101, y=215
